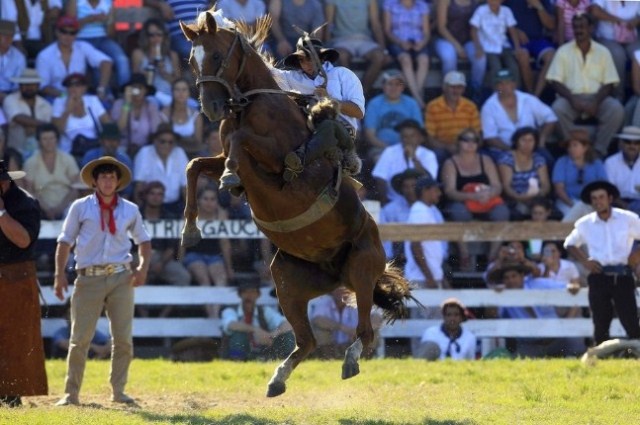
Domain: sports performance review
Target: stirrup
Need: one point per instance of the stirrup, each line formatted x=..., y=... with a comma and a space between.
x=293, y=166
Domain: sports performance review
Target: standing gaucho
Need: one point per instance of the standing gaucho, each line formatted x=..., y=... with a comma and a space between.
x=22, y=371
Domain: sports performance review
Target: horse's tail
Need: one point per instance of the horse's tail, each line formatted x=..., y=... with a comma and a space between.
x=392, y=293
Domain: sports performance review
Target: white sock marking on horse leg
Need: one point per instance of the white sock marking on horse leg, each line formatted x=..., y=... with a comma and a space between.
x=283, y=371
x=354, y=351
x=198, y=55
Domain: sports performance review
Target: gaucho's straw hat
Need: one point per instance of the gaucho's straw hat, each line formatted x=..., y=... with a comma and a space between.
x=86, y=174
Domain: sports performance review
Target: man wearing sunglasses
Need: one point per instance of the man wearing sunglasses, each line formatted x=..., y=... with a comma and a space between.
x=623, y=168
x=67, y=56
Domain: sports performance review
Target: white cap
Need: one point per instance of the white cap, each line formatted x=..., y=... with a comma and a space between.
x=455, y=78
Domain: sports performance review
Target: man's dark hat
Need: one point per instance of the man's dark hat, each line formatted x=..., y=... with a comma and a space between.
x=5, y=174
x=496, y=274
x=140, y=79
x=110, y=131
x=398, y=179
x=325, y=54
x=585, y=195
x=409, y=123
x=425, y=182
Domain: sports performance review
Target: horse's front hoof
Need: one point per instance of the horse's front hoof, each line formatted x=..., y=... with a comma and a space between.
x=275, y=389
x=230, y=181
x=190, y=238
x=350, y=369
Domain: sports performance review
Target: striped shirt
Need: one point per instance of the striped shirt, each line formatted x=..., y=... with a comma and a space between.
x=185, y=10
x=445, y=124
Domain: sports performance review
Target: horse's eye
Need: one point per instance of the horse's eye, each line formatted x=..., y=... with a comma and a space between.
x=216, y=57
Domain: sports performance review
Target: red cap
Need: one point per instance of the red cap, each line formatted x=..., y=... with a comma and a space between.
x=68, y=22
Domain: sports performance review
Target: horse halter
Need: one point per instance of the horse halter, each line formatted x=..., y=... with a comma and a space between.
x=236, y=98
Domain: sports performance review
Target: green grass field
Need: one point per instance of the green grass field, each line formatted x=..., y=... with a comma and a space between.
x=386, y=392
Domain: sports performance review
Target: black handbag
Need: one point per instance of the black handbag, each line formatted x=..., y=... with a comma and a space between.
x=81, y=144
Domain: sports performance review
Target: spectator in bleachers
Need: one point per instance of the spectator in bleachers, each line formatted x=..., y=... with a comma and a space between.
x=410, y=153
x=617, y=31
x=541, y=211
x=385, y=111
x=454, y=42
x=163, y=265
x=164, y=161
x=509, y=109
x=12, y=60
x=490, y=25
x=535, y=21
x=77, y=116
x=137, y=116
x=210, y=262
x=449, y=340
x=186, y=121
x=583, y=75
x=565, y=11
x=109, y=142
x=523, y=172
x=513, y=276
x=99, y=348
x=425, y=259
x=510, y=253
x=242, y=10
x=448, y=115
x=406, y=26
x=97, y=27
x=25, y=110
x=154, y=56
x=308, y=15
x=623, y=169
x=632, y=107
x=355, y=31
x=35, y=20
x=68, y=56
x=51, y=174
x=573, y=171
x=174, y=11
x=554, y=265
x=472, y=187
x=212, y=142
x=397, y=211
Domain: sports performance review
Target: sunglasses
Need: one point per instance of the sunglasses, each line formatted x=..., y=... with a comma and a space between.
x=155, y=34
x=470, y=139
x=68, y=32
x=631, y=142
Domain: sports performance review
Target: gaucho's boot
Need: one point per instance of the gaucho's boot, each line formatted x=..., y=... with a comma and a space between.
x=295, y=161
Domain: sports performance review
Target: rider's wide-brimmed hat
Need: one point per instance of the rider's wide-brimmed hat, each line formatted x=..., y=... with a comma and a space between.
x=326, y=54
x=86, y=174
x=5, y=174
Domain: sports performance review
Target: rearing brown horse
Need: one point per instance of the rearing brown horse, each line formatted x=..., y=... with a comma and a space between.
x=325, y=237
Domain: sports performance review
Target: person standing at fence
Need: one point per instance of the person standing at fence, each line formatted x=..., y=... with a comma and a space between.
x=22, y=371
x=608, y=233
x=99, y=226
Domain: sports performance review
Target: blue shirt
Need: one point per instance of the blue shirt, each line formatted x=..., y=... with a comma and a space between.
x=382, y=116
x=12, y=64
x=93, y=246
x=541, y=312
x=565, y=171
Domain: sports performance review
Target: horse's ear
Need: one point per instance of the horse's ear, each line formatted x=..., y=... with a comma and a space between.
x=210, y=25
x=187, y=31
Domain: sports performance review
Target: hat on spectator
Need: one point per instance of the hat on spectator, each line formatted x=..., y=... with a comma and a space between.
x=110, y=131
x=325, y=54
x=629, y=132
x=503, y=75
x=66, y=21
x=86, y=174
x=75, y=79
x=393, y=74
x=139, y=79
x=611, y=189
x=497, y=273
x=28, y=76
x=426, y=182
x=455, y=78
x=398, y=179
x=5, y=174
x=409, y=123
x=7, y=27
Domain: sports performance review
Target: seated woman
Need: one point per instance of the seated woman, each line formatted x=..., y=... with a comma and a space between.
x=77, y=116
x=406, y=25
x=523, y=172
x=185, y=120
x=473, y=188
x=154, y=56
x=573, y=171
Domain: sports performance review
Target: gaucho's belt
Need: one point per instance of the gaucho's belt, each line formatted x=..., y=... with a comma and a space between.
x=104, y=269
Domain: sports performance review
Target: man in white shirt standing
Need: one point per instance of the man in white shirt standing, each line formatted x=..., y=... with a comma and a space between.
x=608, y=234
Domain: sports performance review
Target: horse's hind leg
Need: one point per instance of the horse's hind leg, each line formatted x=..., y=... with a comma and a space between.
x=211, y=167
x=297, y=281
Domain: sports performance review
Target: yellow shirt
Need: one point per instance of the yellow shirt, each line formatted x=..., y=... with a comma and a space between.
x=579, y=75
x=445, y=124
x=50, y=188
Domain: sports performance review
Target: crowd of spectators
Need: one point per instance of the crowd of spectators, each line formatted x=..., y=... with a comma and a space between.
x=537, y=99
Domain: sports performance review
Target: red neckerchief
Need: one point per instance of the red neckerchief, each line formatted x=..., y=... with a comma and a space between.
x=108, y=207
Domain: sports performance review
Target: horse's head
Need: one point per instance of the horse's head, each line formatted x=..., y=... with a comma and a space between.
x=217, y=59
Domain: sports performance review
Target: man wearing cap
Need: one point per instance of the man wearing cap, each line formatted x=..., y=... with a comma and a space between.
x=583, y=75
x=623, y=168
x=68, y=56
x=608, y=234
x=387, y=110
x=99, y=226
x=447, y=115
x=22, y=370
x=25, y=111
x=509, y=109
x=12, y=60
